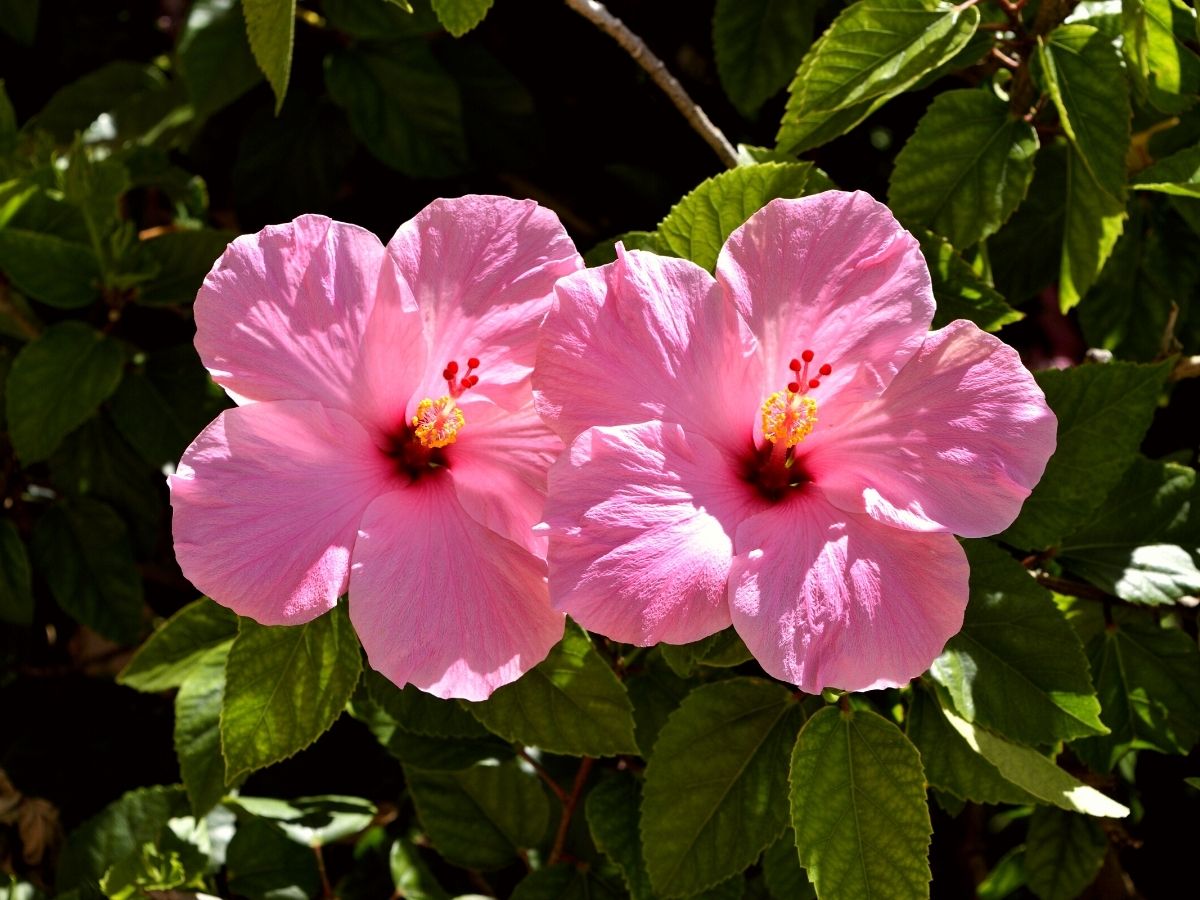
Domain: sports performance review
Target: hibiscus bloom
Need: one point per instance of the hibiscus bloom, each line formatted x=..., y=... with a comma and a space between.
x=385, y=439
x=785, y=447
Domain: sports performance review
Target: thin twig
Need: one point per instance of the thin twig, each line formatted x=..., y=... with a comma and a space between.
x=1187, y=367
x=560, y=838
x=10, y=309
x=1072, y=588
x=326, y=888
x=545, y=776
x=598, y=15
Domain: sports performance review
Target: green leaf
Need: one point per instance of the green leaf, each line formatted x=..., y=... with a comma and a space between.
x=1154, y=268
x=697, y=226
x=1063, y=853
x=612, y=817
x=183, y=259
x=286, y=685
x=402, y=105
x=858, y=807
x=134, y=97
x=1026, y=254
x=950, y=763
x=966, y=168
x=1148, y=678
x=465, y=743
x=313, y=821
x=656, y=692
x=119, y=831
x=271, y=28
x=148, y=421
x=410, y=876
x=179, y=645
x=606, y=251
x=1166, y=71
x=1006, y=877
x=56, y=382
x=958, y=291
x=758, y=46
x=566, y=882
x=480, y=818
x=94, y=184
x=874, y=50
x=382, y=21
x=1016, y=667
x=1103, y=411
x=1178, y=174
x=48, y=268
x=18, y=19
x=713, y=782
x=570, y=703
x=1143, y=544
x=419, y=712
x=722, y=650
x=198, y=732
x=82, y=549
x=16, y=578
x=8, y=132
x=263, y=863
x=215, y=60
x=1034, y=773
x=460, y=16
x=781, y=868
x=1081, y=70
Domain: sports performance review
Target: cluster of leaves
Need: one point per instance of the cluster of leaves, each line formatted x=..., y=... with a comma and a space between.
x=1055, y=168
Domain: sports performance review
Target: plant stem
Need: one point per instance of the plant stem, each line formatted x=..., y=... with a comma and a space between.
x=560, y=838
x=545, y=776
x=598, y=15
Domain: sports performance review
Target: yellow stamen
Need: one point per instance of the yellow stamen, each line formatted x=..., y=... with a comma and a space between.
x=788, y=417
x=437, y=422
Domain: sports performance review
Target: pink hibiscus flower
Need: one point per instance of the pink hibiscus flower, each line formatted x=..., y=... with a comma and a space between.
x=385, y=439
x=785, y=447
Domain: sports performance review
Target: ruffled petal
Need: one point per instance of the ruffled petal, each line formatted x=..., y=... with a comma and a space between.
x=826, y=599
x=499, y=464
x=481, y=271
x=956, y=443
x=267, y=502
x=443, y=603
x=282, y=313
x=641, y=519
x=647, y=337
x=834, y=273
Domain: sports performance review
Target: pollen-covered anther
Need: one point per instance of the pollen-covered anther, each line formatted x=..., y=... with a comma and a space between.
x=437, y=422
x=788, y=417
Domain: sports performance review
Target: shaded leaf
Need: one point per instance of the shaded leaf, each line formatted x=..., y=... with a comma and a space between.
x=1103, y=411
x=16, y=578
x=55, y=384
x=710, y=804
x=781, y=868
x=215, y=60
x=1063, y=853
x=263, y=863
x=722, y=650
x=183, y=259
x=82, y=549
x=566, y=882
x=1143, y=544
x=569, y=703
x=1178, y=174
x=1148, y=679
x=1165, y=69
x=460, y=16
x=958, y=291
x=410, y=875
x=312, y=821
x=759, y=45
x=612, y=816
x=480, y=818
x=48, y=268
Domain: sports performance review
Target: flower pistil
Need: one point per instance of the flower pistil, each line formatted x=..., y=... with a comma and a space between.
x=438, y=422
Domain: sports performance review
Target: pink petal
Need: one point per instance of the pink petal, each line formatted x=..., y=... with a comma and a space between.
x=643, y=338
x=956, y=442
x=267, y=502
x=481, y=271
x=281, y=315
x=499, y=464
x=834, y=273
x=443, y=603
x=640, y=520
x=824, y=598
